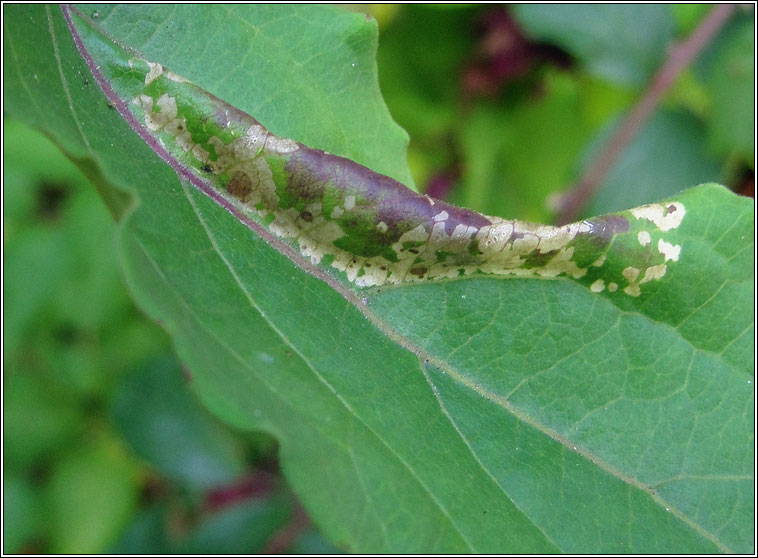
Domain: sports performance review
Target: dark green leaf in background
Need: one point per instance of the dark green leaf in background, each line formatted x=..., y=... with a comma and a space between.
x=731, y=87
x=91, y=495
x=21, y=512
x=620, y=43
x=517, y=159
x=162, y=422
x=668, y=155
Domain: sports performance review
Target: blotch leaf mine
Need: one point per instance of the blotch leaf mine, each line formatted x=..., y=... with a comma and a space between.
x=371, y=229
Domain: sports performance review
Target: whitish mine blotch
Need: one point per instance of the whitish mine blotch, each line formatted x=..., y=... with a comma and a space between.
x=665, y=216
x=669, y=251
x=251, y=168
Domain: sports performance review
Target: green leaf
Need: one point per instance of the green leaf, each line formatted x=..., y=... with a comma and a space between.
x=146, y=534
x=244, y=528
x=312, y=542
x=624, y=44
x=478, y=414
x=688, y=16
x=21, y=513
x=164, y=425
x=517, y=158
x=38, y=421
x=730, y=82
x=90, y=496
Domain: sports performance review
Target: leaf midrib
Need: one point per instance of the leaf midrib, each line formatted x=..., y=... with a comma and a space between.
x=460, y=378
x=311, y=366
x=245, y=364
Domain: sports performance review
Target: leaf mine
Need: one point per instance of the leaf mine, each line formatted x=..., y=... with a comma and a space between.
x=370, y=228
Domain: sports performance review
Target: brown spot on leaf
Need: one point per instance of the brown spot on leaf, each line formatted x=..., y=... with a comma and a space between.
x=419, y=271
x=307, y=216
x=240, y=185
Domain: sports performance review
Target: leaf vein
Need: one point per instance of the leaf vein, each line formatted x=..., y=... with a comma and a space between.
x=313, y=369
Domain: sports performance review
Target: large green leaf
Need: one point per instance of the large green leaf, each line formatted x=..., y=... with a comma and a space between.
x=481, y=413
x=730, y=80
x=623, y=44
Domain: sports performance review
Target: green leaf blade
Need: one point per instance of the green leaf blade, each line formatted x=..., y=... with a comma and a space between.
x=393, y=453
x=252, y=51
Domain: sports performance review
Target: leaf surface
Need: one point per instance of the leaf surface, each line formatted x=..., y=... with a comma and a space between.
x=484, y=413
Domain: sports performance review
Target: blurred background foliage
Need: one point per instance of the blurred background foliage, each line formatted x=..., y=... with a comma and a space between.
x=106, y=449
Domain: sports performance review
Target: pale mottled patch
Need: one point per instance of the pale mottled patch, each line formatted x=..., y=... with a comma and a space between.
x=200, y=154
x=555, y=238
x=156, y=70
x=435, y=249
x=669, y=251
x=665, y=216
x=493, y=238
x=654, y=272
x=562, y=263
x=630, y=274
x=174, y=77
x=632, y=289
x=281, y=145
